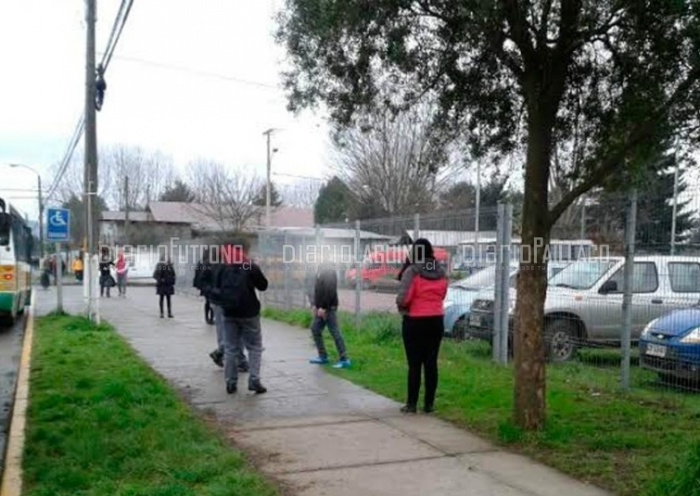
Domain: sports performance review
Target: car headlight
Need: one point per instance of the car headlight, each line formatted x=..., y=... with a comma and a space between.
x=647, y=329
x=693, y=337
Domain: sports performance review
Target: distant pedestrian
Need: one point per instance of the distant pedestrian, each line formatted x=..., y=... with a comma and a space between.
x=324, y=303
x=122, y=272
x=420, y=299
x=78, y=267
x=106, y=280
x=165, y=284
x=205, y=275
x=234, y=288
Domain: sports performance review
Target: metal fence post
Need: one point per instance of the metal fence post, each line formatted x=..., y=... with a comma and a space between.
x=285, y=276
x=630, y=231
x=505, y=282
x=358, y=274
x=498, y=286
x=416, y=227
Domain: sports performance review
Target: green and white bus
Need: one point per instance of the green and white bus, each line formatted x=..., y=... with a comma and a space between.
x=16, y=245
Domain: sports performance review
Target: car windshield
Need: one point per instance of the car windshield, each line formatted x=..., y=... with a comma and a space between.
x=582, y=274
x=485, y=278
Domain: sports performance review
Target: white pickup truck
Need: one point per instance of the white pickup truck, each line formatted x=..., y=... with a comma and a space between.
x=584, y=300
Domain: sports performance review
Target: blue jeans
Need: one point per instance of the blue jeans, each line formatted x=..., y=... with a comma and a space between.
x=240, y=333
x=330, y=321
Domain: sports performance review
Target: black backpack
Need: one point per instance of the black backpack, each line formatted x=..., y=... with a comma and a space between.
x=232, y=287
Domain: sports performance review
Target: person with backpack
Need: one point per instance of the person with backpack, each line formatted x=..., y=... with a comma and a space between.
x=204, y=276
x=234, y=289
x=324, y=302
x=164, y=274
x=422, y=290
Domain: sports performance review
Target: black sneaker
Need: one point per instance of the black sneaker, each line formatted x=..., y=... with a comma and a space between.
x=231, y=388
x=408, y=409
x=217, y=358
x=257, y=388
x=428, y=408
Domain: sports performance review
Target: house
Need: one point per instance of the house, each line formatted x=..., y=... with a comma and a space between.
x=165, y=221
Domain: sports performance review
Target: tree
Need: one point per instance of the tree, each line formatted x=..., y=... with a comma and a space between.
x=261, y=197
x=225, y=195
x=393, y=160
x=459, y=196
x=178, y=192
x=654, y=211
x=334, y=202
x=302, y=194
x=621, y=75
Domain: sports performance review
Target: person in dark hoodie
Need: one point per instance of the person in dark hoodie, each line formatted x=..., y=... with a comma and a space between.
x=234, y=289
x=202, y=273
x=422, y=290
x=324, y=302
x=205, y=275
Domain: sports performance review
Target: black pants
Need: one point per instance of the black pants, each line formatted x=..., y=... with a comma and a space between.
x=422, y=337
x=170, y=307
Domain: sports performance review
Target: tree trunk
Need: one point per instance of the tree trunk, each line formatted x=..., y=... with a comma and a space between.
x=529, y=349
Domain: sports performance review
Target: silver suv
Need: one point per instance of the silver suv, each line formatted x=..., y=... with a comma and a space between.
x=584, y=301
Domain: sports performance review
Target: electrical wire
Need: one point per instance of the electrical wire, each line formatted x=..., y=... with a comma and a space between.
x=117, y=29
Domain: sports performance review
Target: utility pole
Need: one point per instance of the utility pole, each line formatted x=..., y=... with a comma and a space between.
x=126, y=210
x=41, y=219
x=476, y=258
x=90, y=171
x=268, y=188
x=675, y=209
x=583, y=219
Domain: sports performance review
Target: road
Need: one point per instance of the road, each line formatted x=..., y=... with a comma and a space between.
x=10, y=353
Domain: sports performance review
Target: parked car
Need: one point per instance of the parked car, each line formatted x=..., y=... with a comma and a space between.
x=584, y=301
x=461, y=294
x=670, y=345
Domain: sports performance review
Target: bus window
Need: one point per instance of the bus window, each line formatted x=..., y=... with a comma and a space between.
x=5, y=228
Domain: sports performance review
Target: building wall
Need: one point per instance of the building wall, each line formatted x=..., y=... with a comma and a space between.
x=143, y=233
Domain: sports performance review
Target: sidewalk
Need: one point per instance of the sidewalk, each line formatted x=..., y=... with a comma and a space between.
x=319, y=434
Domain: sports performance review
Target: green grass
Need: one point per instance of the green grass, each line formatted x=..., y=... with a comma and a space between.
x=644, y=442
x=101, y=422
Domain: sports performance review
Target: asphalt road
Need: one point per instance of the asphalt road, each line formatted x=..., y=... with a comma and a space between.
x=10, y=353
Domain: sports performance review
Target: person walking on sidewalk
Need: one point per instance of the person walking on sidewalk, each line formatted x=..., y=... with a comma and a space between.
x=78, y=267
x=422, y=290
x=122, y=271
x=204, y=277
x=234, y=290
x=324, y=303
x=165, y=284
x=106, y=279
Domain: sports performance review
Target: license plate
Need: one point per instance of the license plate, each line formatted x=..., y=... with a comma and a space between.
x=475, y=321
x=656, y=350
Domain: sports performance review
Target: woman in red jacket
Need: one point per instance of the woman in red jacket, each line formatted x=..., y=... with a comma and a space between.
x=421, y=294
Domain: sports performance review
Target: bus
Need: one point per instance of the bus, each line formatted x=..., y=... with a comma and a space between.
x=16, y=246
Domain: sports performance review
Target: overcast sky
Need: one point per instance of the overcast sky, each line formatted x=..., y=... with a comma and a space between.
x=183, y=113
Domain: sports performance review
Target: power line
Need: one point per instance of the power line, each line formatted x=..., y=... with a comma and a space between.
x=197, y=72
x=117, y=29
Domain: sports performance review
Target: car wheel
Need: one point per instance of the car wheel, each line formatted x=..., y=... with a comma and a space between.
x=560, y=337
x=459, y=329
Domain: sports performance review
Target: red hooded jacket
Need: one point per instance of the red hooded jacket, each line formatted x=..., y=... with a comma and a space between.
x=422, y=290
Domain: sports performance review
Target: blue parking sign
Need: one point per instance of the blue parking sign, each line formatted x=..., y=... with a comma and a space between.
x=58, y=225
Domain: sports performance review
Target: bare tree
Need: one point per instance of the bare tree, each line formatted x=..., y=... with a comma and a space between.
x=225, y=195
x=394, y=162
x=302, y=194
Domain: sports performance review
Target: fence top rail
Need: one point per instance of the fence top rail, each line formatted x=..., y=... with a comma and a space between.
x=516, y=240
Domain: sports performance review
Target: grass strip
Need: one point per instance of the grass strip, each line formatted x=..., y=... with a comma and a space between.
x=101, y=422
x=643, y=442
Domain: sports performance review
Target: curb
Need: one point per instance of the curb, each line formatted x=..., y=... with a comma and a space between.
x=12, y=475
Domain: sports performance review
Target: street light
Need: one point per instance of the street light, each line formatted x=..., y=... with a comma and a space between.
x=268, y=191
x=41, y=207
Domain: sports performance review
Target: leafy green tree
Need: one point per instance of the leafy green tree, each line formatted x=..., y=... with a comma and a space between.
x=618, y=75
x=334, y=202
x=77, y=207
x=260, y=199
x=177, y=192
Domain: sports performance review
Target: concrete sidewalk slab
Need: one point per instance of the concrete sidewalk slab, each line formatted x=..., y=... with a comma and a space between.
x=317, y=432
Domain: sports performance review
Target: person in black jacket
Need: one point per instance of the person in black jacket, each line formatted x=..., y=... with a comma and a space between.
x=202, y=273
x=234, y=289
x=165, y=284
x=324, y=302
x=106, y=279
x=207, y=273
